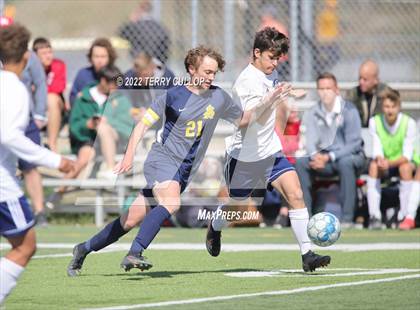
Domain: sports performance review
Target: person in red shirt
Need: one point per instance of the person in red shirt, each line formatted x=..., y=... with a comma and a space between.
x=55, y=70
x=289, y=135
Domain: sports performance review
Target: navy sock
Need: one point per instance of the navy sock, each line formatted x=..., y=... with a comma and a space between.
x=108, y=235
x=149, y=229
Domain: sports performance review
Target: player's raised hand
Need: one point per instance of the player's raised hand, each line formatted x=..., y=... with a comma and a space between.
x=124, y=165
x=277, y=93
x=280, y=93
x=66, y=165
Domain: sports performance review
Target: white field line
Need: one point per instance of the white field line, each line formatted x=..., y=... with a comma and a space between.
x=270, y=293
x=239, y=247
x=285, y=273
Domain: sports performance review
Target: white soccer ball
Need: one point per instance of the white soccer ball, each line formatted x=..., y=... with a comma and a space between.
x=324, y=229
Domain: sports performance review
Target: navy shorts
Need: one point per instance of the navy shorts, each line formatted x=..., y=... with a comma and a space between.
x=242, y=178
x=159, y=168
x=32, y=132
x=16, y=217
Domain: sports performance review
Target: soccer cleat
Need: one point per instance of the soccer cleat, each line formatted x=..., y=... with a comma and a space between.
x=407, y=224
x=76, y=263
x=135, y=261
x=311, y=261
x=375, y=223
x=213, y=241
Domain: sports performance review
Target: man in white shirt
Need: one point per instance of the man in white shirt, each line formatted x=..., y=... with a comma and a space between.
x=253, y=154
x=393, y=135
x=16, y=218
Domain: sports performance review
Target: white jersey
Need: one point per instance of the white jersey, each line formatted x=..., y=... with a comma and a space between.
x=256, y=141
x=14, y=117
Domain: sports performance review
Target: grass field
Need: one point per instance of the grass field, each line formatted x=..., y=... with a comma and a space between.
x=258, y=270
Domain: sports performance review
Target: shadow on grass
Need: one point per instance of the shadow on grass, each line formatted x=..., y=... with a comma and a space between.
x=169, y=274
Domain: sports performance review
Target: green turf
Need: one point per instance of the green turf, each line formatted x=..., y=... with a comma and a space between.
x=231, y=235
x=179, y=275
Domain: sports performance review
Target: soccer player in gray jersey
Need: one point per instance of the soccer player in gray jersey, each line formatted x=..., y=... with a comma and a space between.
x=190, y=114
x=254, y=156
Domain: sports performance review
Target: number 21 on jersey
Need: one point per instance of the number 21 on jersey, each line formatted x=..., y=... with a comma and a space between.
x=194, y=129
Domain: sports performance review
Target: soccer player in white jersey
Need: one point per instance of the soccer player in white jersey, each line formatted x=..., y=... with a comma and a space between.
x=254, y=155
x=16, y=218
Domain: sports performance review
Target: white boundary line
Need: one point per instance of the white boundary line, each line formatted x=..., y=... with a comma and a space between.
x=271, y=293
x=241, y=247
x=351, y=272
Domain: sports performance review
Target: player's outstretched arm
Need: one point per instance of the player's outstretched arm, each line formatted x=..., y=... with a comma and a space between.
x=136, y=136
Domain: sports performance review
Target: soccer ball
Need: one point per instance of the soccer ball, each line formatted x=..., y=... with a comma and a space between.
x=324, y=229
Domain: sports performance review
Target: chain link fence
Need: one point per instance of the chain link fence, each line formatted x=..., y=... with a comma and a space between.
x=330, y=35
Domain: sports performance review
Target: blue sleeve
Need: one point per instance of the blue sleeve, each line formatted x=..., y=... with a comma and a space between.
x=37, y=74
x=76, y=87
x=233, y=109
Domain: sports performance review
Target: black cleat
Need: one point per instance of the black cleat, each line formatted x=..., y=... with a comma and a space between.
x=213, y=241
x=135, y=261
x=311, y=261
x=76, y=263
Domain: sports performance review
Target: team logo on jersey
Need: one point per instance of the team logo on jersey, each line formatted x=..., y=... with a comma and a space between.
x=209, y=114
x=275, y=82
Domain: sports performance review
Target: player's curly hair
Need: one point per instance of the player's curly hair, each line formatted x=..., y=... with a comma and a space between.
x=270, y=39
x=105, y=43
x=14, y=43
x=195, y=57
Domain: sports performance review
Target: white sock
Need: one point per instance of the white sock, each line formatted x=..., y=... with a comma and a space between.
x=405, y=188
x=299, y=219
x=374, y=197
x=413, y=200
x=220, y=221
x=9, y=274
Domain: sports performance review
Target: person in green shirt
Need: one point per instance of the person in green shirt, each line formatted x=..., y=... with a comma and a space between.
x=393, y=134
x=100, y=111
x=104, y=112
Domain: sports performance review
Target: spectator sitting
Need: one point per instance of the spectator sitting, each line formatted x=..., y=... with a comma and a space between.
x=393, y=135
x=365, y=95
x=116, y=114
x=145, y=68
x=334, y=145
x=55, y=69
x=98, y=111
x=101, y=54
x=94, y=113
x=145, y=34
